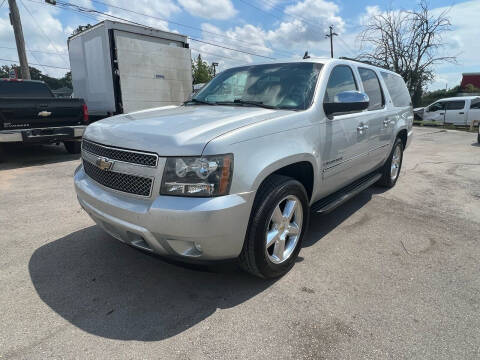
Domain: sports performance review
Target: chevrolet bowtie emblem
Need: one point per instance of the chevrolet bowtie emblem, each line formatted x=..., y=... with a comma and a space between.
x=104, y=164
x=44, y=113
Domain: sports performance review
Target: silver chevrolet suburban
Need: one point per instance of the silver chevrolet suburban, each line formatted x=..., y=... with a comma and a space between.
x=236, y=171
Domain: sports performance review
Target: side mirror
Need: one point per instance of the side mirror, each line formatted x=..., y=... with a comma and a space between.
x=345, y=102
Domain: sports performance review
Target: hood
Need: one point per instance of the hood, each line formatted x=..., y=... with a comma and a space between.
x=175, y=130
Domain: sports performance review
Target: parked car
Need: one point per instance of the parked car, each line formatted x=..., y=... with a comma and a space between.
x=29, y=112
x=456, y=111
x=236, y=171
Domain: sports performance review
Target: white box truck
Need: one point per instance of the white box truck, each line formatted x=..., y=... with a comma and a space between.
x=119, y=68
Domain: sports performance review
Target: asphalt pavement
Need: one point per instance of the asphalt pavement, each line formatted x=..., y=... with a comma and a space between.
x=389, y=275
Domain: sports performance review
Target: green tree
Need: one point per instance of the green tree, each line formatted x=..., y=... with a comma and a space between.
x=36, y=74
x=201, y=71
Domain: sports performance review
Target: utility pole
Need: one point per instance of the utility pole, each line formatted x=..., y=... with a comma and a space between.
x=17, y=29
x=331, y=35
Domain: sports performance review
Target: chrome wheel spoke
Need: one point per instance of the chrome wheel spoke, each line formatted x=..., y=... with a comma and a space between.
x=293, y=229
x=279, y=248
x=277, y=216
x=289, y=209
x=272, y=236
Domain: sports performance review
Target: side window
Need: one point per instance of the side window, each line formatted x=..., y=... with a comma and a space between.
x=475, y=105
x=455, y=105
x=341, y=79
x=372, y=88
x=397, y=89
x=437, y=106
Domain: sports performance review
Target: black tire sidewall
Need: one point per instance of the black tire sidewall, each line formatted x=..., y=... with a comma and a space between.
x=398, y=142
x=260, y=223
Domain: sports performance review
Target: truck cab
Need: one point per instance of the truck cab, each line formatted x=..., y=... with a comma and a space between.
x=456, y=110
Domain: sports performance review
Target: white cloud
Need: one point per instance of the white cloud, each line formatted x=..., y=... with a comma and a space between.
x=45, y=37
x=209, y=9
x=306, y=24
x=157, y=11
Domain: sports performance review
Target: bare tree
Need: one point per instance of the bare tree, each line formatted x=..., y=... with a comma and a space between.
x=407, y=42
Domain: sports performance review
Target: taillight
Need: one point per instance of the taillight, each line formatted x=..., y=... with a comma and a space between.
x=85, y=114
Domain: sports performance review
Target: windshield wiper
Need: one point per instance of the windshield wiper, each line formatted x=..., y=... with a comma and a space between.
x=254, y=103
x=247, y=102
x=197, y=101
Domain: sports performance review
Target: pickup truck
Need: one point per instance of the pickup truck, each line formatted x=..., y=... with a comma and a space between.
x=236, y=171
x=456, y=110
x=29, y=112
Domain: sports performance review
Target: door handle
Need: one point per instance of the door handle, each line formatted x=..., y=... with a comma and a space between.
x=461, y=112
x=362, y=127
x=441, y=113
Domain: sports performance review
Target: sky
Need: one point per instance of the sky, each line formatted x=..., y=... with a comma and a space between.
x=279, y=29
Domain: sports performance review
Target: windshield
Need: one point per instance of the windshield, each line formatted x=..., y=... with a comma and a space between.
x=282, y=86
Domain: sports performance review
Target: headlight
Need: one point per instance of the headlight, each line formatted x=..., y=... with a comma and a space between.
x=197, y=176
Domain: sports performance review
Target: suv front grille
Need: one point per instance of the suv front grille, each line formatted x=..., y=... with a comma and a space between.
x=129, y=156
x=131, y=184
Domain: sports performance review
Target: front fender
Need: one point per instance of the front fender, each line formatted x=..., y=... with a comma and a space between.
x=257, y=158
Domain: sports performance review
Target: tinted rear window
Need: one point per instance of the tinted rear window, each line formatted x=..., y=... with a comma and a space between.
x=371, y=85
x=455, y=105
x=20, y=89
x=397, y=89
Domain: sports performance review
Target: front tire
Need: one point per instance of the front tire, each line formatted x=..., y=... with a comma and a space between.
x=276, y=229
x=391, y=169
x=73, y=147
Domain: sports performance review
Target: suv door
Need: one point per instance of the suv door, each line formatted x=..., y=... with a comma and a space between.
x=435, y=112
x=455, y=112
x=344, y=137
x=380, y=126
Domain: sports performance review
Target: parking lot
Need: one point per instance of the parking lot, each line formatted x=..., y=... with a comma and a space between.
x=390, y=274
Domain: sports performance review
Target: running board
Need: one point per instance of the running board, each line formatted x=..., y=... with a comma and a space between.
x=336, y=199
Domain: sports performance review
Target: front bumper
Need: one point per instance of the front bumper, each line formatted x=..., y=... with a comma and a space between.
x=193, y=228
x=50, y=134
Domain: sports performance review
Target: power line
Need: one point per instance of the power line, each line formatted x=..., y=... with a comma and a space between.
x=212, y=54
x=64, y=5
x=40, y=28
x=35, y=51
x=185, y=26
x=228, y=48
x=51, y=66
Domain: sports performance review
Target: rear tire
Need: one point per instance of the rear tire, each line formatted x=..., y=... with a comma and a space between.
x=391, y=169
x=276, y=228
x=73, y=147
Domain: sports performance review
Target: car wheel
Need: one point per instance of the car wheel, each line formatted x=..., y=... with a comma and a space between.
x=391, y=169
x=276, y=228
x=73, y=147
x=478, y=138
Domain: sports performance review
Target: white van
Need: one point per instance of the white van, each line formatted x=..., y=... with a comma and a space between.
x=455, y=110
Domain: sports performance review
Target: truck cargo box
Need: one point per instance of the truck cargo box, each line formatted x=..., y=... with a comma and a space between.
x=120, y=68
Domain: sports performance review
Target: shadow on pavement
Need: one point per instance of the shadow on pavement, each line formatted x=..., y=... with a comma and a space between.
x=13, y=156
x=111, y=290
x=321, y=225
